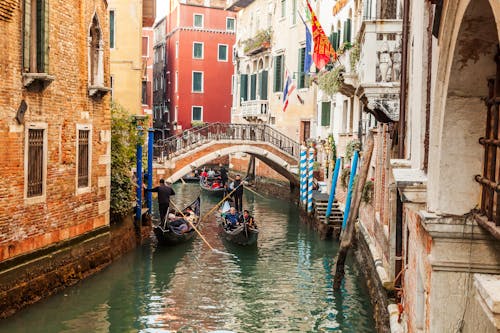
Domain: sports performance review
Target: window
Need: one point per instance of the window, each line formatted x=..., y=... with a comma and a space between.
x=197, y=81
x=36, y=36
x=230, y=24
x=83, y=152
x=263, y=85
x=96, y=54
x=278, y=73
x=222, y=53
x=302, y=77
x=145, y=46
x=198, y=20
x=36, y=161
x=334, y=40
x=325, y=113
x=197, y=113
x=243, y=87
x=144, y=98
x=197, y=50
x=176, y=83
x=253, y=87
x=347, y=31
x=112, y=29
x=283, y=8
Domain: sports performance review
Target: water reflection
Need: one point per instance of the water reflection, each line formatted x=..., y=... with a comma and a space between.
x=281, y=285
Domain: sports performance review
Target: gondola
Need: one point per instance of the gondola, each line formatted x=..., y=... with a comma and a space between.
x=167, y=235
x=241, y=235
x=206, y=185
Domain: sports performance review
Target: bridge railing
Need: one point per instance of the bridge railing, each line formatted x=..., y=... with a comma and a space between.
x=194, y=137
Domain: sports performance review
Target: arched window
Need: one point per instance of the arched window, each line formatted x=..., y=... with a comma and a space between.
x=95, y=57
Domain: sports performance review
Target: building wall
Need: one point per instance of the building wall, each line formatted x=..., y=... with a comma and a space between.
x=147, y=73
x=64, y=213
x=216, y=96
x=126, y=56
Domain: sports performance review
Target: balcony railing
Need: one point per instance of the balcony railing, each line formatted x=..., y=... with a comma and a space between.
x=257, y=108
x=192, y=138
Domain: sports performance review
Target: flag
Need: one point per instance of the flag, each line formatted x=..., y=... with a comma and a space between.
x=307, y=56
x=289, y=88
x=323, y=50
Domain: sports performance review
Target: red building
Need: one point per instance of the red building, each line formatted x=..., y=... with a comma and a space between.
x=199, y=46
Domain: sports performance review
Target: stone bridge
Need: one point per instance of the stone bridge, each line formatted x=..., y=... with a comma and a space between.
x=181, y=154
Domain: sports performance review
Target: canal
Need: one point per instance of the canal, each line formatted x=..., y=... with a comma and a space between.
x=281, y=285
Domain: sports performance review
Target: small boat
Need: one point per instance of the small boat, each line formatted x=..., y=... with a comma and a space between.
x=206, y=185
x=168, y=235
x=243, y=234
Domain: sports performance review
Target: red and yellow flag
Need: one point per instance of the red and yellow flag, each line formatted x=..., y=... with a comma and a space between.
x=323, y=49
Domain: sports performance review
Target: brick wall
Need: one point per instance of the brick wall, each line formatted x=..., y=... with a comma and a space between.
x=63, y=214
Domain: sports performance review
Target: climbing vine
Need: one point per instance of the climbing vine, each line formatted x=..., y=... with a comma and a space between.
x=367, y=194
x=344, y=176
x=330, y=81
x=354, y=55
x=333, y=146
x=351, y=147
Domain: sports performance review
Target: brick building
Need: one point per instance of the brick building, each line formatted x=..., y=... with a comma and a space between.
x=55, y=138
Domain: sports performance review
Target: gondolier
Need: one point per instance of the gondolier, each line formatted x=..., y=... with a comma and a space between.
x=238, y=193
x=164, y=192
x=223, y=174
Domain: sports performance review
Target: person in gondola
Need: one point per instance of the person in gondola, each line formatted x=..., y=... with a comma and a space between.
x=231, y=218
x=247, y=219
x=238, y=193
x=164, y=192
x=223, y=174
x=216, y=184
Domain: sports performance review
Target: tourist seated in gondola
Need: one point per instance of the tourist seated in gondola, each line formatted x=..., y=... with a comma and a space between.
x=180, y=226
x=231, y=218
x=247, y=219
x=216, y=184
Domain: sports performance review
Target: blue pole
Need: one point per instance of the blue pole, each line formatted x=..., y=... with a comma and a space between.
x=149, y=195
x=334, y=187
x=310, y=169
x=354, y=166
x=138, y=160
x=303, y=175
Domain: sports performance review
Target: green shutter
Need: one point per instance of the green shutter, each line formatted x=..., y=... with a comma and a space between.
x=42, y=36
x=112, y=29
x=348, y=30
x=278, y=73
x=334, y=40
x=243, y=87
x=339, y=35
x=253, y=87
x=325, y=113
x=301, y=82
x=263, y=85
x=26, y=37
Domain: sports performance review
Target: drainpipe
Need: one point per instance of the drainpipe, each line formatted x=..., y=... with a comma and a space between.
x=428, y=97
x=403, y=82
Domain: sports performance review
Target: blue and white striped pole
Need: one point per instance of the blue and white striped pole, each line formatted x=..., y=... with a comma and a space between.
x=335, y=176
x=354, y=166
x=310, y=169
x=303, y=175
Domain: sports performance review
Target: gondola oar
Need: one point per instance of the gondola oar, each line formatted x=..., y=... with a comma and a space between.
x=254, y=192
x=218, y=204
x=192, y=225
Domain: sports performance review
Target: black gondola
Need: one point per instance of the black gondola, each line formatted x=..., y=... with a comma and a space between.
x=206, y=185
x=167, y=235
x=243, y=234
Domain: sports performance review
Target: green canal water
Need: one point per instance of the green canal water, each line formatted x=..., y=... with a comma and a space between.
x=281, y=285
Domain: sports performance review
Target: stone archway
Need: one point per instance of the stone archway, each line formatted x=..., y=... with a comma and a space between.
x=466, y=60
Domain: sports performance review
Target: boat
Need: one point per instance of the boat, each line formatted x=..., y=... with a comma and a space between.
x=206, y=185
x=243, y=234
x=167, y=235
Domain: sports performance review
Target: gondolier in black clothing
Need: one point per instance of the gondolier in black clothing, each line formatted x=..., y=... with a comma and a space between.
x=223, y=174
x=164, y=192
x=238, y=193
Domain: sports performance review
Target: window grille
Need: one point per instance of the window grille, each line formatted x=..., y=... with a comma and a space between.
x=489, y=180
x=83, y=158
x=35, y=162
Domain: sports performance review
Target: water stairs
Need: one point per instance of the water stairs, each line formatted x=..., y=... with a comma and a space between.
x=334, y=222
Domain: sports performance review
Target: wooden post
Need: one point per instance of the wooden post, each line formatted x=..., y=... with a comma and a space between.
x=346, y=241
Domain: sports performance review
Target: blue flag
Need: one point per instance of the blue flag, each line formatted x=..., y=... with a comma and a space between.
x=308, y=54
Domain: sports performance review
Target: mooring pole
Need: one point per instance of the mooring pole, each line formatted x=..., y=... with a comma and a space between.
x=138, y=160
x=334, y=187
x=310, y=166
x=303, y=177
x=354, y=166
x=149, y=195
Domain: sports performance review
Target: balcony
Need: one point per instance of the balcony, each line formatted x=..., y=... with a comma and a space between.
x=148, y=13
x=255, y=110
x=379, y=68
x=258, y=43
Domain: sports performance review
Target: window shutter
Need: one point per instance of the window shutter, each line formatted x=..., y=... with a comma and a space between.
x=325, y=113
x=339, y=35
x=348, y=30
x=278, y=73
x=334, y=40
x=253, y=87
x=243, y=87
x=27, y=30
x=301, y=74
x=263, y=85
